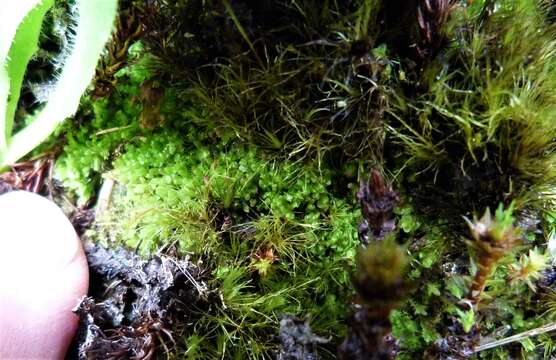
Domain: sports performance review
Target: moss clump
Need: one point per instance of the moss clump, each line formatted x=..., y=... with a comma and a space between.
x=104, y=127
x=89, y=148
x=476, y=133
x=272, y=237
x=481, y=130
x=309, y=79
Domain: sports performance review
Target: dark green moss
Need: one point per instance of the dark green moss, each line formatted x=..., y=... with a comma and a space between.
x=481, y=131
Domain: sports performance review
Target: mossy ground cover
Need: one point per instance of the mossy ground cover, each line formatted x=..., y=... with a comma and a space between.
x=271, y=235
x=237, y=135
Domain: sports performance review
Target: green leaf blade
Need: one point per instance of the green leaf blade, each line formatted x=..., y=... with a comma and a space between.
x=24, y=46
x=94, y=26
x=12, y=15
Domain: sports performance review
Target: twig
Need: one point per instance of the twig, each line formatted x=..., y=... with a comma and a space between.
x=104, y=196
x=517, y=337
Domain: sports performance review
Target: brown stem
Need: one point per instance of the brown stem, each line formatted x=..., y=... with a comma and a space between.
x=485, y=266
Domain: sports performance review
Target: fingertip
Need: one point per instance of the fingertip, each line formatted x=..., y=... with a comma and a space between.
x=43, y=272
x=36, y=229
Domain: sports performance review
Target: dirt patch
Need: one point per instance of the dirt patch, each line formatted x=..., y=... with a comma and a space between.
x=134, y=303
x=297, y=340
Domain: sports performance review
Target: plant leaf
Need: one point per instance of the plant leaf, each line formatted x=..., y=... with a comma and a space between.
x=24, y=46
x=94, y=25
x=10, y=18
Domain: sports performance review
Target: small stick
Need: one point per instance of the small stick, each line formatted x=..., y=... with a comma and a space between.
x=517, y=337
x=50, y=175
x=38, y=173
x=104, y=196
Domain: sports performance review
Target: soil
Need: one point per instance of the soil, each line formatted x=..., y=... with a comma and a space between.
x=134, y=303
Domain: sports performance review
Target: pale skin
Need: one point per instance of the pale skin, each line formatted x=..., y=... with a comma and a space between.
x=43, y=274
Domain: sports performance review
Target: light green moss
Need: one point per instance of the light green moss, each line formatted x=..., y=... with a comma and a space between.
x=105, y=126
x=288, y=246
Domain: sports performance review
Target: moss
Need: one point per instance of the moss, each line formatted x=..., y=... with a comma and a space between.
x=104, y=126
x=270, y=234
x=482, y=130
x=406, y=329
x=309, y=79
x=262, y=126
x=478, y=132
